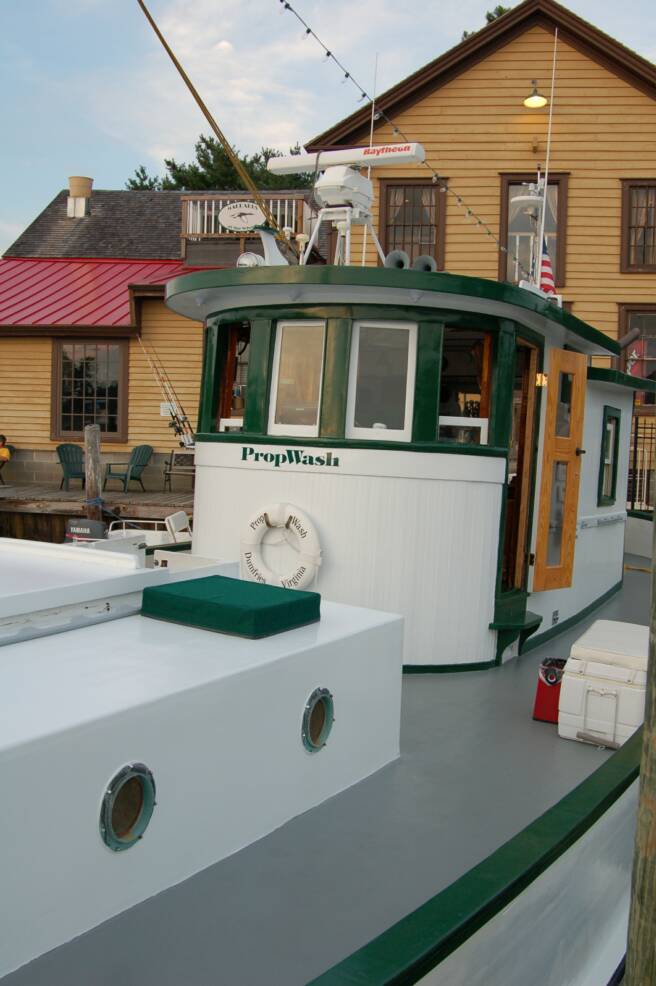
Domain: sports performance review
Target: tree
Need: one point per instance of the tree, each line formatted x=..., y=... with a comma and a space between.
x=490, y=16
x=213, y=169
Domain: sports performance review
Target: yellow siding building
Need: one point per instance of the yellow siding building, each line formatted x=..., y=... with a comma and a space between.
x=466, y=108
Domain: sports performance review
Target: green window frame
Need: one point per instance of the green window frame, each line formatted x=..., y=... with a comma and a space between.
x=610, y=446
x=338, y=344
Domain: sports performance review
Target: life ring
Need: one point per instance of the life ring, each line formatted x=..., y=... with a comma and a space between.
x=295, y=529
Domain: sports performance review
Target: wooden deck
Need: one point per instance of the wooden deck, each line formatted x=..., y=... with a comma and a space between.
x=40, y=511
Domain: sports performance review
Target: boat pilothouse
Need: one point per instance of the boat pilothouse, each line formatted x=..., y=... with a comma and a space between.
x=468, y=434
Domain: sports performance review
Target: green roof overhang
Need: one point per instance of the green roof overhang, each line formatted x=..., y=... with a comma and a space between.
x=621, y=379
x=207, y=293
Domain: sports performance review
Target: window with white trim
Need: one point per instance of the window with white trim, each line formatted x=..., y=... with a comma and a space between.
x=296, y=381
x=382, y=381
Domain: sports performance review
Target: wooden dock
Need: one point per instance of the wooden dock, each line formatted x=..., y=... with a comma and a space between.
x=40, y=511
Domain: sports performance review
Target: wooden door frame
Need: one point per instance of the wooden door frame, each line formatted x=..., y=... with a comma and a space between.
x=560, y=449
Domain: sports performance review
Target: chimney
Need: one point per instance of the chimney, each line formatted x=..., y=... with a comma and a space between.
x=79, y=197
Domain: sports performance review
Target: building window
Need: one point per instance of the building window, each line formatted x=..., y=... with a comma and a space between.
x=610, y=443
x=381, y=381
x=639, y=357
x=519, y=228
x=296, y=382
x=90, y=387
x=412, y=218
x=465, y=387
x=638, y=225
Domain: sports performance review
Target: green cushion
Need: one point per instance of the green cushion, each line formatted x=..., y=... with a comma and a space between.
x=248, y=609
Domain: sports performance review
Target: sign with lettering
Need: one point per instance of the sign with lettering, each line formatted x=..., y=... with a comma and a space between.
x=241, y=216
x=289, y=457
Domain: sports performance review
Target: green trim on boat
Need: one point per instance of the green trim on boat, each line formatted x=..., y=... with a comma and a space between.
x=428, y=380
x=601, y=375
x=641, y=514
x=256, y=412
x=512, y=628
x=520, y=628
x=385, y=277
x=417, y=943
x=450, y=448
x=174, y=546
x=332, y=422
x=610, y=413
x=572, y=620
x=447, y=668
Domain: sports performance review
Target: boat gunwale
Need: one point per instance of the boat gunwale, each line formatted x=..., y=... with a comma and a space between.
x=417, y=943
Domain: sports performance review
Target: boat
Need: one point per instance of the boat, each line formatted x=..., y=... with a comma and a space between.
x=226, y=783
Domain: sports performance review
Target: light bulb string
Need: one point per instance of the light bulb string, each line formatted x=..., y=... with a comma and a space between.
x=380, y=114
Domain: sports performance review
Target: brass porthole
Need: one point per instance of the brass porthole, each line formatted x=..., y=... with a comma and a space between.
x=318, y=718
x=127, y=806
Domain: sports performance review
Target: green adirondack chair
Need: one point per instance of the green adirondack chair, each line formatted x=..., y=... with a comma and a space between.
x=71, y=459
x=130, y=471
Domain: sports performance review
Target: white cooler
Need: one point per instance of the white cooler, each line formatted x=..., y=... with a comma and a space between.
x=602, y=697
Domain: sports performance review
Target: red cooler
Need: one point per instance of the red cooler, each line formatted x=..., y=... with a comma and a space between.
x=547, y=695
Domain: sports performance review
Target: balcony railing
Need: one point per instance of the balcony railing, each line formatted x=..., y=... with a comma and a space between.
x=200, y=214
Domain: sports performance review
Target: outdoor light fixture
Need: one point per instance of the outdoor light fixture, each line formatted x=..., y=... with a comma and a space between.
x=535, y=101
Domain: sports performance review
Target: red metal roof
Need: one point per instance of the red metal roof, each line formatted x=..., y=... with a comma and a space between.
x=75, y=292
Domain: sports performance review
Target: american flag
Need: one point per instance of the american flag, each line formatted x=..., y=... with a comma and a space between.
x=547, y=282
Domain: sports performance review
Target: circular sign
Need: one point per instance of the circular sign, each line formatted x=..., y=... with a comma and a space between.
x=239, y=216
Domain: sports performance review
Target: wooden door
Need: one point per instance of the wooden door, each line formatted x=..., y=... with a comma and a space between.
x=561, y=470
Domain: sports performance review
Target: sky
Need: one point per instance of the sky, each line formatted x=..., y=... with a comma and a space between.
x=87, y=88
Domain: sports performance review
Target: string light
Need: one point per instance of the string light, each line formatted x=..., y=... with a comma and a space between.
x=436, y=177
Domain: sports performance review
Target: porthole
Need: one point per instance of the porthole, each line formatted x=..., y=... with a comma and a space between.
x=318, y=718
x=127, y=806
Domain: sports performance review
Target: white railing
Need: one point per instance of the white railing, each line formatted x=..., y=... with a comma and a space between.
x=200, y=214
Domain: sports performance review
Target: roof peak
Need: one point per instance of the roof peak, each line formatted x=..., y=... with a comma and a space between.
x=547, y=13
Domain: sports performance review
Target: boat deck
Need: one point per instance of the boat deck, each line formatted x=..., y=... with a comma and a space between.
x=474, y=770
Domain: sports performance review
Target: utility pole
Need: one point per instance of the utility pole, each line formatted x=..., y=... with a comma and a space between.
x=641, y=946
x=93, y=470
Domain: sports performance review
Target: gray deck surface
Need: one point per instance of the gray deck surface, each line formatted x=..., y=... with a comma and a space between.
x=474, y=770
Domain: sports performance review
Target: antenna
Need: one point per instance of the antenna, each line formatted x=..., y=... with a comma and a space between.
x=345, y=195
x=375, y=157
x=371, y=144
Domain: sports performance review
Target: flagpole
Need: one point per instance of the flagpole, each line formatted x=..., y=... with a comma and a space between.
x=546, y=167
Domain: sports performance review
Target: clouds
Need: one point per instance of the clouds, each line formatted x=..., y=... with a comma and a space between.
x=265, y=81
x=89, y=81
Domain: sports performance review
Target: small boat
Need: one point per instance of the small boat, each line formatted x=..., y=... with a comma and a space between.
x=134, y=535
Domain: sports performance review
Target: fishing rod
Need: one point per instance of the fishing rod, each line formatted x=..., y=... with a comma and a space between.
x=179, y=420
x=223, y=141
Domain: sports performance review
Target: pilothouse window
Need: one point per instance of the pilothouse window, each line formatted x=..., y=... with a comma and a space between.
x=465, y=387
x=296, y=384
x=382, y=381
